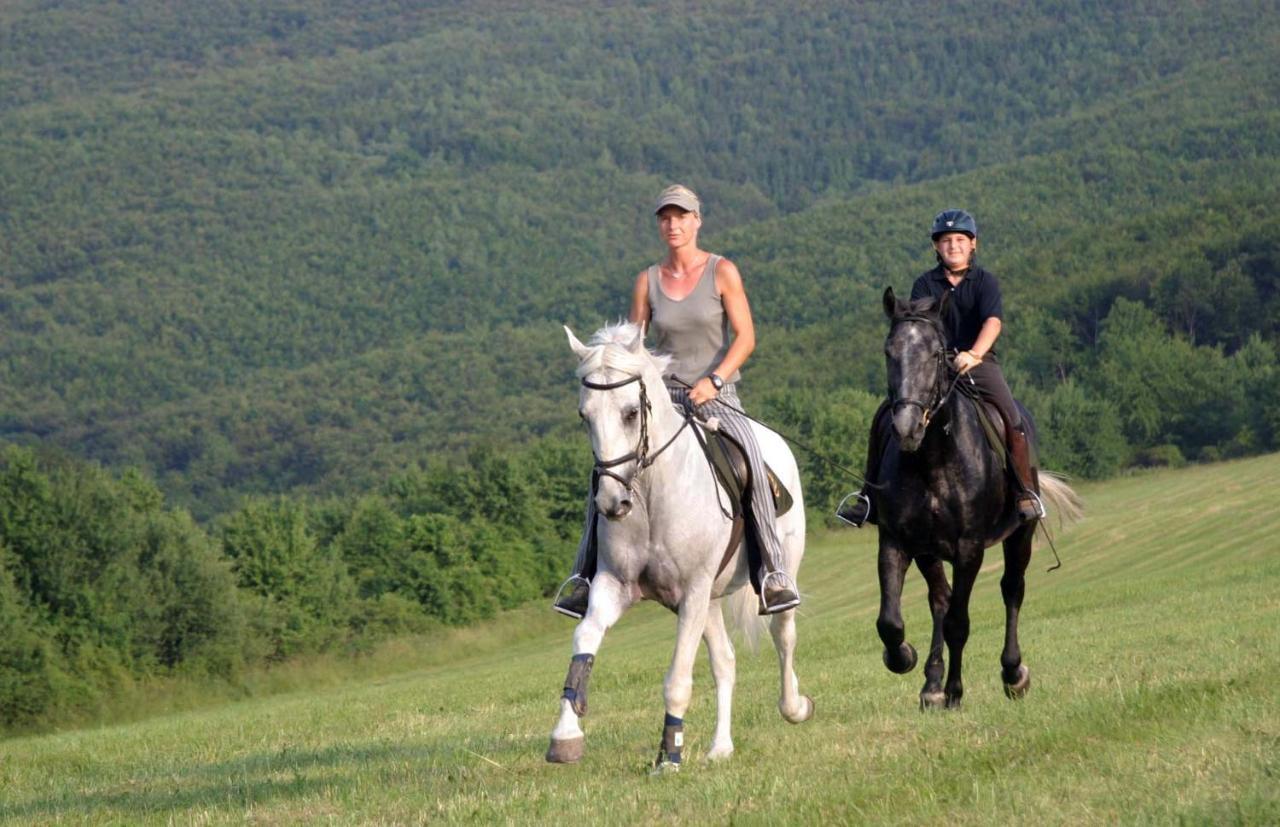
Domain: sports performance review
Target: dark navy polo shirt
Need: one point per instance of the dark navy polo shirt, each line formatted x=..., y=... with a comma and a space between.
x=974, y=300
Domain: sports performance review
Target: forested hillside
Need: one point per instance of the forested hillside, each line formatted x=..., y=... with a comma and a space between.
x=299, y=269
x=257, y=247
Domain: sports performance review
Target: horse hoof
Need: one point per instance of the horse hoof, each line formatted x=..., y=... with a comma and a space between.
x=1019, y=687
x=807, y=713
x=932, y=700
x=665, y=768
x=567, y=751
x=720, y=753
x=900, y=667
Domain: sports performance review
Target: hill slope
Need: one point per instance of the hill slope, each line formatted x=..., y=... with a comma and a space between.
x=293, y=245
x=1153, y=652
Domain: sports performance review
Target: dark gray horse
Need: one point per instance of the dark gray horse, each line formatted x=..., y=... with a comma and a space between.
x=945, y=496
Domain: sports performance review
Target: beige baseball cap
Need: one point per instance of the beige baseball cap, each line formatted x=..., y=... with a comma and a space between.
x=679, y=196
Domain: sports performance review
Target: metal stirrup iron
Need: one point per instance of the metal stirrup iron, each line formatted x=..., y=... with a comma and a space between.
x=568, y=584
x=857, y=496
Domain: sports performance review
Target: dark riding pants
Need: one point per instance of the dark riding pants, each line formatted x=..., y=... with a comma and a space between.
x=988, y=378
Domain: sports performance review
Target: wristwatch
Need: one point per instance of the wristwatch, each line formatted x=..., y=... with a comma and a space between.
x=716, y=382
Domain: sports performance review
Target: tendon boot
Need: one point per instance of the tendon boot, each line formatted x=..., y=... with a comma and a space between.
x=1029, y=505
x=855, y=509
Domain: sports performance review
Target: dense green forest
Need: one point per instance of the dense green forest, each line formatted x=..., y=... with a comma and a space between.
x=282, y=283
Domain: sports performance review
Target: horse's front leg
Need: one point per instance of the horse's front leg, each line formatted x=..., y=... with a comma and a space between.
x=1017, y=555
x=935, y=575
x=724, y=670
x=899, y=655
x=677, y=688
x=608, y=600
x=956, y=623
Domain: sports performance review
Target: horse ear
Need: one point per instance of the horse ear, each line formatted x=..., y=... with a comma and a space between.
x=579, y=349
x=890, y=302
x=636, y=345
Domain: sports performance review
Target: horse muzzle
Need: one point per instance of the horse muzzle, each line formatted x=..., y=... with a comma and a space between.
x=613, y=500
x=909, y=425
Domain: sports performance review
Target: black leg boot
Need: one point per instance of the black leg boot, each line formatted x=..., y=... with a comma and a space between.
x=574, y=595
x=856, y=509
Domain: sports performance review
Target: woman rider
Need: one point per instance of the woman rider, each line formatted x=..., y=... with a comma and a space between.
x=691, y=301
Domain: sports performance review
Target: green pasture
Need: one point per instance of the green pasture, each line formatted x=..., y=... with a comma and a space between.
x=1154, y=654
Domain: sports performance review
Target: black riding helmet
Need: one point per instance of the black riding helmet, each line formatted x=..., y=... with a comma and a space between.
x=954, y=221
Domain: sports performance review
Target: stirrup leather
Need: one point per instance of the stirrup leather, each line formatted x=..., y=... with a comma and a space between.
x=571, y=584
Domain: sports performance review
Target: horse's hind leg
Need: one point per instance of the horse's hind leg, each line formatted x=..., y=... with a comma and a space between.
x=724, y=670
x=1017, y=555
x=608, y=600
x=794, y=706
x=899, y=655
x=931, y=695
x=955, y=625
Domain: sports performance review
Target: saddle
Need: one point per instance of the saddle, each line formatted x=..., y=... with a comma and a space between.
x=729, y=460
x=994, y=428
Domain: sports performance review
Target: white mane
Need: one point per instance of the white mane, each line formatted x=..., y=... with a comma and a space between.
x=610, y=349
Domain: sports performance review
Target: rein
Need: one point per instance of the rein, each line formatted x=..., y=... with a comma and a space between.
x=812, y=451
x=640, y=455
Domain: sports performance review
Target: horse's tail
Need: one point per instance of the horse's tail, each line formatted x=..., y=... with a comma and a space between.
x=1060, y=498
x=744, y=617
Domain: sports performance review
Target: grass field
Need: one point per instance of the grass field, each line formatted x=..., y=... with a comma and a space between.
x=1154, y=654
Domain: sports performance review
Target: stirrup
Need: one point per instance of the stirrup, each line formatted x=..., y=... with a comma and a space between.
x=857, y=496
x=1036, y=501
x=563, y=603
x=787, y=602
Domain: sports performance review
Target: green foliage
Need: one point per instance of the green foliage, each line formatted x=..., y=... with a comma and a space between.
x=257, y=250
x=305, y=593
x=1077, y=433
x=100, y=584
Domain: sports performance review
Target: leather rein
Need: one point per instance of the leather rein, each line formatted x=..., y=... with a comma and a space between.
x=640, y=455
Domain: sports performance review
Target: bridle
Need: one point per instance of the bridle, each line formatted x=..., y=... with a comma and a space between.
x=640, y=455
x=938, y=397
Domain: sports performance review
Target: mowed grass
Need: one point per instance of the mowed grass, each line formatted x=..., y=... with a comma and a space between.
x=1154, y=654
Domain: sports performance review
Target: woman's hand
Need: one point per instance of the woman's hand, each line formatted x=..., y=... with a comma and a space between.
x=702, y=392
x=965, y=361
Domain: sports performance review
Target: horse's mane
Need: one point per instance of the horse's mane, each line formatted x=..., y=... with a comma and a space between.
x=610, y=350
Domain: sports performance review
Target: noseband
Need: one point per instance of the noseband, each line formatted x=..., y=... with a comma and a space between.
x=937, y=397
x=641, y=455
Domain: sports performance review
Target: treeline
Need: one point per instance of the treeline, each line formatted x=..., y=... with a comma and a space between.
x=291, y=244
x=104, y=586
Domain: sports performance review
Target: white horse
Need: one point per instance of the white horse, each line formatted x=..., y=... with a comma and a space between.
x=662, y=534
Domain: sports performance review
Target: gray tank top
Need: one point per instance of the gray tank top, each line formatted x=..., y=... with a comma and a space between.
x=694, y=330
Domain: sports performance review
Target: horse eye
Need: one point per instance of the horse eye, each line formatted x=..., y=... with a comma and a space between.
x=630, y=414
